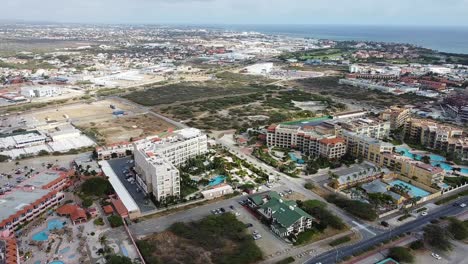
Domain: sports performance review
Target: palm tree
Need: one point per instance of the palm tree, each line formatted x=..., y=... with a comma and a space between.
x=103, y=240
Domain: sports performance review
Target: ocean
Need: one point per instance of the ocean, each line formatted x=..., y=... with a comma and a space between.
x=445, y=39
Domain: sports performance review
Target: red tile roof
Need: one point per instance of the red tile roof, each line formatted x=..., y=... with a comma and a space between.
x=120, y=207
x=332, y=141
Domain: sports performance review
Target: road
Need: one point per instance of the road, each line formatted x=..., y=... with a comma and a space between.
x=335, y=255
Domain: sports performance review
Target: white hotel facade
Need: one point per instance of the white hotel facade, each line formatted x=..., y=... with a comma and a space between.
x=156, y=160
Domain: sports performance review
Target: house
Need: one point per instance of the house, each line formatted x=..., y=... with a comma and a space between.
x=378, y=186
x=284, y=216
x=108, y=209
x=77, y=214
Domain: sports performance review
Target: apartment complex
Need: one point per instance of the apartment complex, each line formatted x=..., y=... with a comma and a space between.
x=285, y=217
x=32, y=198
x=310, y=140
x=371, y=127
x=438, y=136
x=156, y=160
x=41, y=91
x=396, y=115
x=382, y=153
x=116, y=150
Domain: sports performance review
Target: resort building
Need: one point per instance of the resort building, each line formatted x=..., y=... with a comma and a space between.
x=156, y=160
x=9, y=253
x=357, y=173
x=432, y=135
x=32, y=198
x=383, y=154
x=396, y=115
x=285, y=217
x=307, y=139
x=76, y=214
x=217, y=191
x=371, y=127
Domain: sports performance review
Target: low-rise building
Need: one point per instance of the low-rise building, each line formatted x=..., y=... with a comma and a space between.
x=41, y=91
x=32, y=198
x=285, y=216
x=217, y=191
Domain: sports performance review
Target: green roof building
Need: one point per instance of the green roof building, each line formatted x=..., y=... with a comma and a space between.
x=284, y=215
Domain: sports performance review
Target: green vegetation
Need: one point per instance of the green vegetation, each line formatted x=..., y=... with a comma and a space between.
x=99, y=221
x=357, y=208
x=318, y=210
x=437, y=237
x=96, y=186
x=401, y=254
x=182, y=92
x=117, y=259
x=418, y=244
x=340, y=241
x=286, y=260
x=309, y=185
x=452, y=197
x=115, y=221
x=4, y=158
x=455, y=181
x=87, y=202
x=458, y=229
x=305, y=237
x=223, y=236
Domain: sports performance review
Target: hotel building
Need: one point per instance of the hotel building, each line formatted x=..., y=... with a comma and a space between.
x=156, y=160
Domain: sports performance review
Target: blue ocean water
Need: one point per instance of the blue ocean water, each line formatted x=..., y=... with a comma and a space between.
x=446, y=39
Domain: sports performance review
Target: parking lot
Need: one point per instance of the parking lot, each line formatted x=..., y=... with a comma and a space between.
x=121, y=165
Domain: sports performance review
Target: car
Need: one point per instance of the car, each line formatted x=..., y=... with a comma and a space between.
x=213, y=211
x=237, y=214
x=222, y=210
x=424, y=213
x=138, y=190
x=436, y=256
x=384, y=223
x=232, y=207
x=248, y=225
x=256, y=237
x=255, y=232
x=463, y=205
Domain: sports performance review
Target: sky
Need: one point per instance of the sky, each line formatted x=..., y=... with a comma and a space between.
x=361, y=12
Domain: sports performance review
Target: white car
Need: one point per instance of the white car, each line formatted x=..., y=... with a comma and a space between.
x=462, y=205
x=436, y=256
x=424, y=213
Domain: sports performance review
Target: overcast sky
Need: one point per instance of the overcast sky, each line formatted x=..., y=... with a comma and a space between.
x=373, y=12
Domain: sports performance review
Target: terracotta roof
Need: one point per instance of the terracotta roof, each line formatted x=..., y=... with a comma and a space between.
x=120, y=207
x=73, y=211
x=108, y=209
x=332, y=140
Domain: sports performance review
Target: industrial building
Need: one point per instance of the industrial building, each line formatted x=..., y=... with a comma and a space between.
x=41, y=91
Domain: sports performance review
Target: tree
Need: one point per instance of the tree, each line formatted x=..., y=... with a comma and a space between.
x=116, y=259
x=401, y=254
x=458, y=229
x=4, y=158
x=437, y=237
x=418, y=244
x=115, y=221
x=96, y=186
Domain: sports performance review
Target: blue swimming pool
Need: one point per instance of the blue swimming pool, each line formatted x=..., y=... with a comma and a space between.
x=57, y=262
x=51, y=225
x=436, y=160
x=294, y=158
x=413, y=190
x=217, y=180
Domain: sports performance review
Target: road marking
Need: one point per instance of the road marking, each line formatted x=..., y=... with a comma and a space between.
x=364, y=228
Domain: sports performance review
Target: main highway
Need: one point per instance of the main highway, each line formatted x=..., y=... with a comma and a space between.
x=334, y=256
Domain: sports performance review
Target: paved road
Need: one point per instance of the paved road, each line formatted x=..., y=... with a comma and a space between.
x=335, y=255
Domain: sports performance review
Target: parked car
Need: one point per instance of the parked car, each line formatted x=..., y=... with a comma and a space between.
x=256, y=237
x=384, y=223
x=232, y=207
x=213, y=211
x=424, y=213
x=463, y=205
x=248, y=225
x=436, y=256
x=222, y=210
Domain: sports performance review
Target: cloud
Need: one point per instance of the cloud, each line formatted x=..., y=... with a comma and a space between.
x=419, y=12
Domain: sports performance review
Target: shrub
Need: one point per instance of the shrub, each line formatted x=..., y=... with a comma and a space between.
x=115, y=221
x=309, y=186
x=98, y=221
x=286, y=260
x=340, y=241
x=458, y=229
x=437, y=237
x=418, y=244
x=357, y=208
x=401, y=254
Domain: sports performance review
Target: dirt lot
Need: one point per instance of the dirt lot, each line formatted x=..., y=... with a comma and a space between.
x=97, y=121
x=119, y=129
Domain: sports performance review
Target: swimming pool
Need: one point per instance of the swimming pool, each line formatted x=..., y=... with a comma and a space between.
x=57, y=262
x=436, y=160
x=413, y=190
x=293, y=157
x=217, y=180
x=51, y=225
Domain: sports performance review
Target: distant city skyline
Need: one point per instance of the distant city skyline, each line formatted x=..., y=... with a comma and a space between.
x=359, y=12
